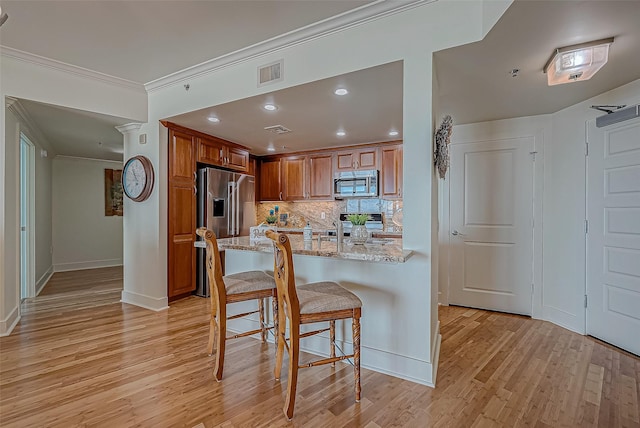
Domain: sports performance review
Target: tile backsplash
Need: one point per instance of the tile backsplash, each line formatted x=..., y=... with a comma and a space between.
x=301, y=212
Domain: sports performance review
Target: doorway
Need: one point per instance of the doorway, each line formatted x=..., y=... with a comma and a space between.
x=27, y=218
x=490, y=225
x=613, y=238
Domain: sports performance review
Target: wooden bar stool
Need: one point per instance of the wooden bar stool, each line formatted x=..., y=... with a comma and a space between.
x=309, y=303
x=237, y=287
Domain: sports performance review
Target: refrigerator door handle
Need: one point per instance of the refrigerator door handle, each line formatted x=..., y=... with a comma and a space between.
x=237, y=209
x=229, y=208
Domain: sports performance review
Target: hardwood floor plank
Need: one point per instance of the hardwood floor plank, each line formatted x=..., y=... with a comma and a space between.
x=79, y=357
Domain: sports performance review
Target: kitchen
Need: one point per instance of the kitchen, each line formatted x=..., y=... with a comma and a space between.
x=310, y=180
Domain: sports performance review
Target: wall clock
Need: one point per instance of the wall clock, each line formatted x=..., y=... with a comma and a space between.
x=137, y=178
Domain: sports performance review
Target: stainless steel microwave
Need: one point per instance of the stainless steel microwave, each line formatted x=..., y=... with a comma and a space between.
x=356, y=184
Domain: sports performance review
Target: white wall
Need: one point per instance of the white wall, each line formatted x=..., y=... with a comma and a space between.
x=560, y=265
x=83, y=237
x=54, y=84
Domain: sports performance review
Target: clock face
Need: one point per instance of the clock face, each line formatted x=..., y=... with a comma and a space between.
x=138, y=178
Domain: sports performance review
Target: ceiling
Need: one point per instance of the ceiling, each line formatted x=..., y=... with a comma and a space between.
x=313, y=113
x=77, y=133
x=473, y=81
x=145, y=40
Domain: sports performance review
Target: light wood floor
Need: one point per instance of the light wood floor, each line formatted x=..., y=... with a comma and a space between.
x=81, y=358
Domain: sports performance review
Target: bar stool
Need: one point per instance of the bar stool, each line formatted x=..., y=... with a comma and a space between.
x=309, y=303
x=237, y=287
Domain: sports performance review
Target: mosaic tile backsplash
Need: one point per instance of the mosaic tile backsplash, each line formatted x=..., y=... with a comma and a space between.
x=301, y=212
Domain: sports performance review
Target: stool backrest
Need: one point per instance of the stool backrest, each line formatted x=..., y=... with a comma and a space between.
x=283, y=272
x=214, y=264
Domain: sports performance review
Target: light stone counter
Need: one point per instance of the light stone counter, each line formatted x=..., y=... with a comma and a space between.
x=389, y=252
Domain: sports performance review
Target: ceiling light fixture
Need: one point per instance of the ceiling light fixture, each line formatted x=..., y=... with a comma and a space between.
x=393, y=133
x=577, y=62
x=271, y=149
x=3, y=17
x=270, y=107
x=341, y=91
x=213, y=119
x=341, y=133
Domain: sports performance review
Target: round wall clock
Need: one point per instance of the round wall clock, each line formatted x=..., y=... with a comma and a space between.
x=137, y=178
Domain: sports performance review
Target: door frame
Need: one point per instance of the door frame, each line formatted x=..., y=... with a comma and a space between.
x=30, y=286
x=482, y=133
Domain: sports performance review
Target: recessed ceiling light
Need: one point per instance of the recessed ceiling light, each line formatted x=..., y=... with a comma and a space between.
x=341, y=91
x=271, y=149
x=270, y=107
x=341, y=133
x=393, y=133
x=213, y=119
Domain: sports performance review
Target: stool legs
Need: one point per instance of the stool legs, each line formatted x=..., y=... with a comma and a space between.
x=332, y=339
x=294, y=356
x=221, y=321
x=263, y=327
x=356, y=353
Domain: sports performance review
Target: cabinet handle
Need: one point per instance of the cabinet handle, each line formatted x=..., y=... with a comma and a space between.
x=195, y=189
x=280, y=195
x=220, y=156
x=195, y=176
x=399, y=191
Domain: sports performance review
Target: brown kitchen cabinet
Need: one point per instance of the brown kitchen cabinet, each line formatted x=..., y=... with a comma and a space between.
x=391, y=172
x=365, y=158
x=269, y=180
x=182, y=214
x=214, y=152
x=294, y=178
x=320, y=177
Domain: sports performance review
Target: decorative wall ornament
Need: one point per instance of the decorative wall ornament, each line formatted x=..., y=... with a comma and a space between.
x=441, y=149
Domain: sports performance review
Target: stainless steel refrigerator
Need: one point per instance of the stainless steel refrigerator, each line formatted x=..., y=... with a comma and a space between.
x=226, y=205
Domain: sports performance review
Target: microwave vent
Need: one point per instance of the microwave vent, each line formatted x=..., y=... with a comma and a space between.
x=277, y=129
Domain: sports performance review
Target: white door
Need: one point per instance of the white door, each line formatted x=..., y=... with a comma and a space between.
x=491, y=225
x=24, y=218
x=613, y=240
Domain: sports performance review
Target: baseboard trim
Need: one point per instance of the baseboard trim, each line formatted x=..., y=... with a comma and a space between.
x=44, y=279
x=92, y=264
x=435, y=355
x=143, y=301
x=381, y=361
x=9, y=323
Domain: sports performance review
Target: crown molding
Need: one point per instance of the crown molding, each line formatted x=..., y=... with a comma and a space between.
x=15, y=106
x=80, y=158
x=19, y=55
x=129, y=127
x=345, y=20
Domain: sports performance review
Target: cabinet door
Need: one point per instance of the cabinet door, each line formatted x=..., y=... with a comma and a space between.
x=182, y=157
x=357, y=159
x=391, y=175
x=294, y=178
x=182, y=215
x=345, y=161
x=320, y=177
x=237, y=159
x=210, y=152
x=269, y=181
x=366, y=159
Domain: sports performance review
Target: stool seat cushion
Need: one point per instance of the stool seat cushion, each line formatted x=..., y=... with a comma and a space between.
x=325, y=296
x=245, y=282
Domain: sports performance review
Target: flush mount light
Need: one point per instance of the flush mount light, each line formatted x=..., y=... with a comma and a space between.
x=393, y=133
x=270, y=107
x=213, y=119
x=577, y=62
x=341, y=133
x=341, y=91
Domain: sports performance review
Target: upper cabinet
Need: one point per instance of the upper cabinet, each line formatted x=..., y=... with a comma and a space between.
x=351, y=160
x=294, y=178
x=215, y=152
x=269, y=180
x=391, y=174
x=320, y=177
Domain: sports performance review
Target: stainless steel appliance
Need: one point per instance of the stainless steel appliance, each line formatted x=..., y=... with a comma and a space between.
x=355, y=184
x=374, y=224
x=226, y=205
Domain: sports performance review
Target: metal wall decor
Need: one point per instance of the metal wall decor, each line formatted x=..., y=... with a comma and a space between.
x=441, y=150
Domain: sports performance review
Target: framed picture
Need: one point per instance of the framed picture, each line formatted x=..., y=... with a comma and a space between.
x=113, y=193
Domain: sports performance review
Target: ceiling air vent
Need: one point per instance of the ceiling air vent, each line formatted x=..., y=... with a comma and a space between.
x=277, y=129
x=271, y=73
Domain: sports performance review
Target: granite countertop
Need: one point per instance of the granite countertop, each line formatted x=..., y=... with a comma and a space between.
x=387, y=233
x=389, y=252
